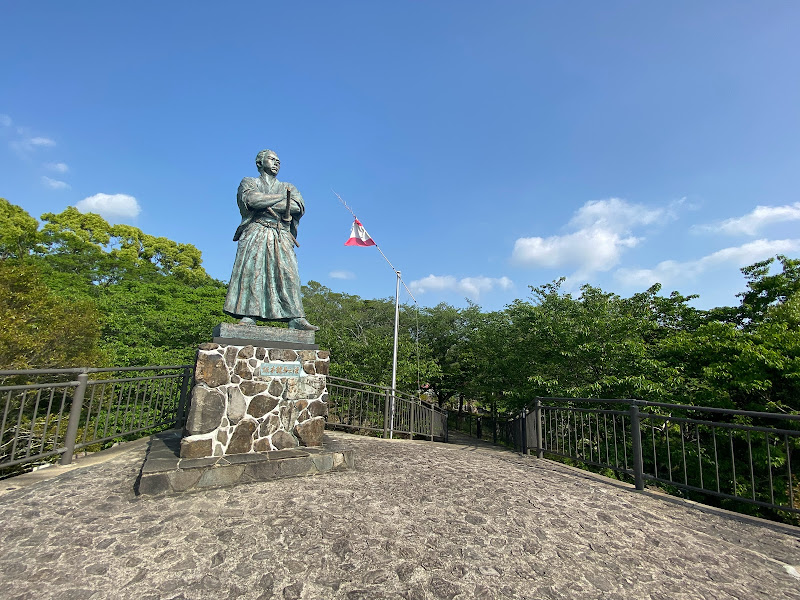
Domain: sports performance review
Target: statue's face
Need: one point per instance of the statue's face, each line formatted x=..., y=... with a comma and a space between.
x=271, y=164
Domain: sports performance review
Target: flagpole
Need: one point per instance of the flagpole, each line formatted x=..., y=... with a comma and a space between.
x=394, y=355
x=396, y=312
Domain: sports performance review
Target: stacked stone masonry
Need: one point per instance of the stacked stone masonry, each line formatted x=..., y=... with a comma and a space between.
x=234, y=410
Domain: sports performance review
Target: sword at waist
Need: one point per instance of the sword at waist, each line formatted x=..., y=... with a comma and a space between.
x=282, y=227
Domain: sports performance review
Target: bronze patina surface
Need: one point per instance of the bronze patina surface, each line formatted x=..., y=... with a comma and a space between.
x=265, y=282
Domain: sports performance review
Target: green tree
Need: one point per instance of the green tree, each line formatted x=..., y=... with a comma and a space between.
x=148, y=298
x=183, y=261
x=40, y=329
x=746, y=357
x=82, y=248
x=787, y=313
x=360, y=336
x=489, y=362
x=447, y=332
x=596, y=345
x=19, y=232
x=765, y=290
x=158, y=322
x=79, y=287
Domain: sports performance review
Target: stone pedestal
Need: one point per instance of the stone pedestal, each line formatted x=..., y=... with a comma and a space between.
x=254, y=397
x=258, y=335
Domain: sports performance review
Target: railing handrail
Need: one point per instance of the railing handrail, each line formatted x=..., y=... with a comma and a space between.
x=382, y=388
x=696, y=449
x=686, y=407
x=42, y=420
x=79, y=370
x=37, y=386
x=372, y=410
x=10, y=372
x=79, y=409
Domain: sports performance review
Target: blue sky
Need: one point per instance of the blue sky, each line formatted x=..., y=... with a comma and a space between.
x=485, y=147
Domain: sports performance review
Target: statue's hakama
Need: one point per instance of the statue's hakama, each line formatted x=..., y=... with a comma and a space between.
x=265, y=282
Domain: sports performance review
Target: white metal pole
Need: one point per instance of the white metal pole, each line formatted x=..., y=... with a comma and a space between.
x=394, y=355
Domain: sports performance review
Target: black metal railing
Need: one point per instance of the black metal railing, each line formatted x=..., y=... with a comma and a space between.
x=737, y=455
x=372, y=409
x=52, y=412
x=488, y=427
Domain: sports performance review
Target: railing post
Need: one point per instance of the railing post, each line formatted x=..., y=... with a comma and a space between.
x=386, y=403
x=494, y=427
x=183, y=400
x=636, y=437
x=524, y=437
x=432, y=415
x=446, y=427
x=74, y=419
x=537, y=415
x=392, y=412
x=411, y=410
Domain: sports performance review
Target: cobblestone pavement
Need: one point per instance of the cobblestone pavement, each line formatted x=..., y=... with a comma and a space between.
x=413, y=520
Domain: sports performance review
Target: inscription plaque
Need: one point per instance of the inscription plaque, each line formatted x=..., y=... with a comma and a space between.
x=280, y=369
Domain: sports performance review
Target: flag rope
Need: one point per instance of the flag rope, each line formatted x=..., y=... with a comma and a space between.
x=376, y=245
x=350, y=210
x=419, y=387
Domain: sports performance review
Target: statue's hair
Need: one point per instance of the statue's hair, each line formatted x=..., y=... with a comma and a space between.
x=260, y=157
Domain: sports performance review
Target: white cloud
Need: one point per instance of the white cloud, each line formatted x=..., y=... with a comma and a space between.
x=472, y=287
x=588, y=249
x=752, y=222
x=615, y=214
x=55, y=184
x=342, y=275
x=22, y=141
x=111, y=206
x=58, y=167
x=669, y=272
x=41, y=141
x=27, y=144
x=603, y=233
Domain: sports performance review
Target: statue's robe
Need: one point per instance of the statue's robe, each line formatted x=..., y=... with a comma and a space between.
x=265, y=282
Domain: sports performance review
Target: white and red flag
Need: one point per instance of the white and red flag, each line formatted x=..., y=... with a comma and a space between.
x=359, y=236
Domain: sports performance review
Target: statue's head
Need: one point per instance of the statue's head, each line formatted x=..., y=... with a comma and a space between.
x=268, y=162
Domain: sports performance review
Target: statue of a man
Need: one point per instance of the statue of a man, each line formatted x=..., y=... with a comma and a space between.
x=265, y=283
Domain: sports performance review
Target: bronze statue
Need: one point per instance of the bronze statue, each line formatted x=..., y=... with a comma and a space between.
x=265, y=283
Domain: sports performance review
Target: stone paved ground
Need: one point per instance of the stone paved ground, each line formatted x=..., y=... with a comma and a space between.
x=414, y=520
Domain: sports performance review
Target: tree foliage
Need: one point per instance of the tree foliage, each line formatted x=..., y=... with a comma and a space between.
x=19, y=233
x=83, y=248
x=765, y=290
x=149, y=298
x=360, y=336
x=41, y=329
x=450, y=334
x=77, y=290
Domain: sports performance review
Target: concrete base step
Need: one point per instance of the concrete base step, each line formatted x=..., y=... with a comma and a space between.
x=164, y=472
